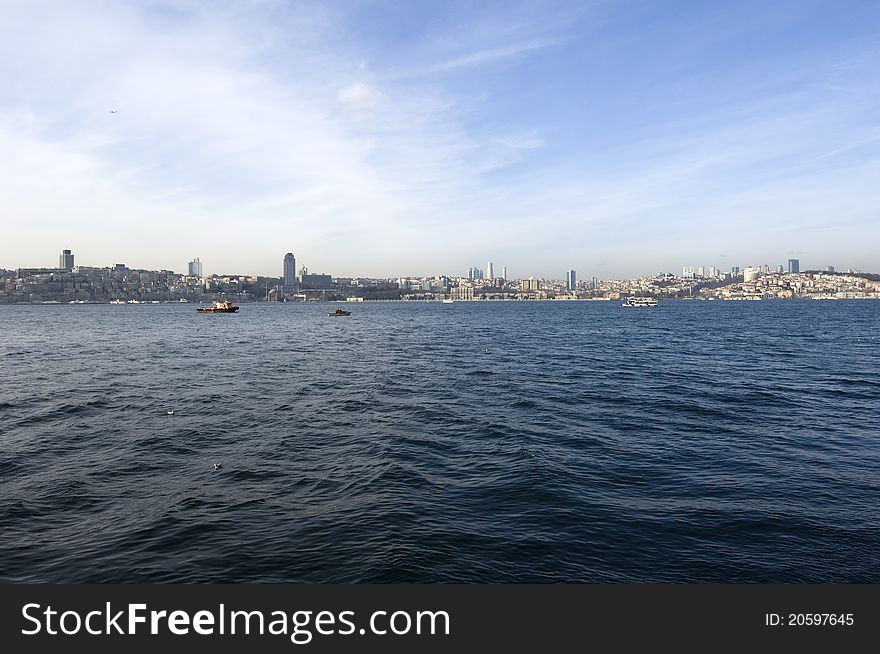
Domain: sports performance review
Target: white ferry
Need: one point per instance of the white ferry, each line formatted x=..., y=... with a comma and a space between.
x=639, y=302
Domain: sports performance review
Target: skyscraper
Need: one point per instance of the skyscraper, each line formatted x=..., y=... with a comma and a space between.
x=65, y=260
x=490, y=271
x=570, y=280
x=289, y=273
x=194, y=268
x=794, y=265
x=504, y=273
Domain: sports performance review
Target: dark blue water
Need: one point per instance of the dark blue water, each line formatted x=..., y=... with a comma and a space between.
x=579, y=441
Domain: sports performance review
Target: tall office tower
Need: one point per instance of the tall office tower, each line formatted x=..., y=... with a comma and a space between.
x=794, y=265
x=734, y=270
x=570, y=280
x=701, y=271
x=504, y=273
x=478, y=274
x=780, y=269
x=470, y=273
x=712, y=271
x=490, y=271
x=829, y=269
x=289, y=271
x=194, y=268
x=595, y=283
x=65, y=260
x=684, y=271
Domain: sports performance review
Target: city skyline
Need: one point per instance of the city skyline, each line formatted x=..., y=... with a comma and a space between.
x=388, y=139
x=289, y=271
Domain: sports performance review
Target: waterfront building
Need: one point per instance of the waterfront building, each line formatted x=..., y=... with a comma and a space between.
x=463, y=293
x=65, y=260
x=289, y=271
x=794, y=265
x=194, y=268
x=530, y=284
x=570, y=280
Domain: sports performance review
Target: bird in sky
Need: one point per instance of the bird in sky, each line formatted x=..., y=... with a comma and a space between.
x=113, y=111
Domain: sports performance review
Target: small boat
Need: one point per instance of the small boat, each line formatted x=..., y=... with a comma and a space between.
x=340, y=312
x=448, y=301
x=219, y=307
x=639, y=302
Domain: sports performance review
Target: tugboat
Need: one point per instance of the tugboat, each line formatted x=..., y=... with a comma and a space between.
x=219, y=307
x=340, y=312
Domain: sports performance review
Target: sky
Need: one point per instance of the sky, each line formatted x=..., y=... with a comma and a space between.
x=381, y=138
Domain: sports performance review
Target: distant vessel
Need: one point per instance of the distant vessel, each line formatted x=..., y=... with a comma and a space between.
x=219, y=307
x=340, y=312
x=448, y=301
x=639, y=302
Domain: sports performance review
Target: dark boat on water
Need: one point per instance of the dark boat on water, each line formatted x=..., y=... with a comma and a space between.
x=340, y=312
x=219, y=307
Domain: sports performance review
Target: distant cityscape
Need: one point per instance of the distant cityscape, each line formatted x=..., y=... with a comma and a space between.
x=69, y=283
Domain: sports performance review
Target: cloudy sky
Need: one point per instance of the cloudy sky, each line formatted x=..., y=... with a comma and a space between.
x=380, y=138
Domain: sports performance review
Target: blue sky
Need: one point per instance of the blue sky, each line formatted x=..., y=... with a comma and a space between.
x=383, y=138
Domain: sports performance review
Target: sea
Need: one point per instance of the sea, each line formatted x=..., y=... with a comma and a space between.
x=559, y=441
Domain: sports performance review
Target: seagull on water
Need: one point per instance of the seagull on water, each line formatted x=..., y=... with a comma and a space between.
x=171, y=412
x=217, y=466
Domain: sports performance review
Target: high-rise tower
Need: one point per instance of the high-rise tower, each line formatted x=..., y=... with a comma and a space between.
x=194, y=268
x=289, y=272
x=65, y=260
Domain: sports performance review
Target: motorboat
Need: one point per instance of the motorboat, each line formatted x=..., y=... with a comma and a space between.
x=639, y=302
